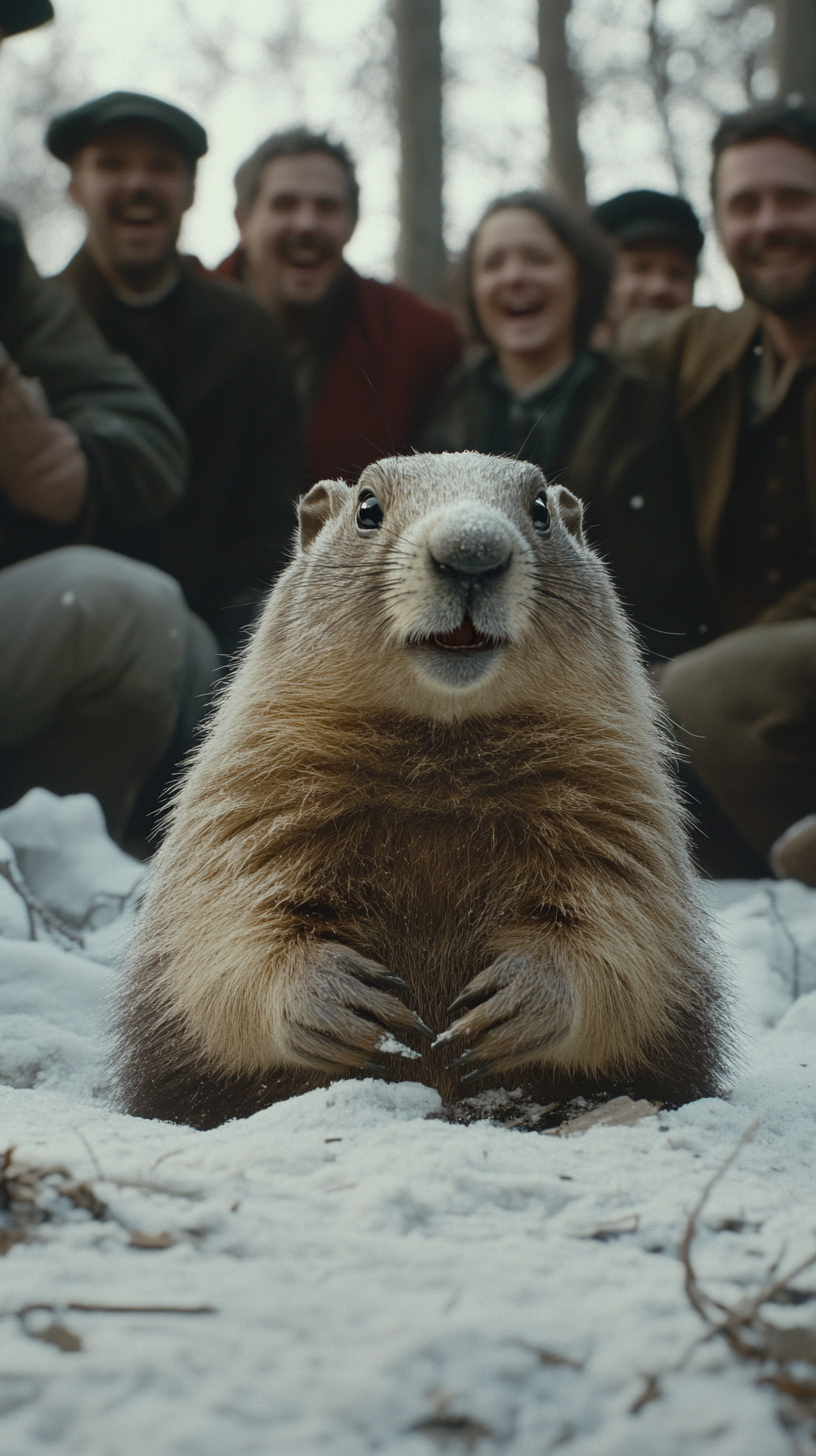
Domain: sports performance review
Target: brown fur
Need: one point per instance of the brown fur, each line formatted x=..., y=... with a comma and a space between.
x=350, y=814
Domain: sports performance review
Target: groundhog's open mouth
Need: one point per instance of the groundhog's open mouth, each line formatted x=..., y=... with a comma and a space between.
x=467, y=637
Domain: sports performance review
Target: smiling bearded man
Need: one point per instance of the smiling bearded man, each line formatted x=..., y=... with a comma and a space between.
x=745, y=386
x=369, y=357
x=215, y=357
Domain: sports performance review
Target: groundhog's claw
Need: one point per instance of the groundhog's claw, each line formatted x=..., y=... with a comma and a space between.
x=479, y=1072
x=468, y=998
x=342, y=1014
x=518, y=1010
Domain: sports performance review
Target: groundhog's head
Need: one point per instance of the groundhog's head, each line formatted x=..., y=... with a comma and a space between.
x=449, y=580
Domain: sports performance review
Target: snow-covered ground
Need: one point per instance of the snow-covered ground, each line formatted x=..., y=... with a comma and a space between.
x=341, y=1273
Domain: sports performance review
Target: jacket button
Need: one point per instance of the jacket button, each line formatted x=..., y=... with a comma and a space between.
x=637, y=502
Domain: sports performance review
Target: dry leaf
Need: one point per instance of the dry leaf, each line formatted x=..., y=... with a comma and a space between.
x=549, y=1357
x=619, y=1112
x=627, y=1224
x=797, y=1343
x=447, y=1429
x=651, y=1391
x=83, y=1196
x=151, y=1241
x=58, y=1335
x=10, y=1237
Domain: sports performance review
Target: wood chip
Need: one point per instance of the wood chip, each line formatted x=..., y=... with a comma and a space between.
x=151, y=1241
x=620, y=1112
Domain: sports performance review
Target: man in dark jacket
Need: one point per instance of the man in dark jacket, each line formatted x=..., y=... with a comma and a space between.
x=369, y=358
x=214, y=356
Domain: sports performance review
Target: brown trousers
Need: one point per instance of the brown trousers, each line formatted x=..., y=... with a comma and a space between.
x=745, y=712
x=99, y=655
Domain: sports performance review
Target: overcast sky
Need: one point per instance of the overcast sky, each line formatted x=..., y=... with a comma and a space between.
x=326, y=68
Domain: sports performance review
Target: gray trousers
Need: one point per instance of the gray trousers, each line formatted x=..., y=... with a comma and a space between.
x=745, y=710
x=99, y=658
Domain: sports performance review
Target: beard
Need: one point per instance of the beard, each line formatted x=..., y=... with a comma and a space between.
x=790, y=298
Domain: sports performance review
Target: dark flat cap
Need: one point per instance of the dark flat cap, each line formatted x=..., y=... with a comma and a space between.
x=19, y=15
x=72, y=130
x=644, y=216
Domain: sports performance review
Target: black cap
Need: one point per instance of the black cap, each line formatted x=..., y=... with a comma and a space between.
x=19, y=15
x=71, y=131
x=644, y=216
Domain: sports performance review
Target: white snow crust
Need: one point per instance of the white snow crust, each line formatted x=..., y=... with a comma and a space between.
x=378, y=1281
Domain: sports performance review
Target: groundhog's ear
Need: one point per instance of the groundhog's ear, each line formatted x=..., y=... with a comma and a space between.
x=324, y=500
x=570, y=510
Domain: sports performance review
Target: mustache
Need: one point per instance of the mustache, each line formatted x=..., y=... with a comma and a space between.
x=754, y=252
x=290, y=243
x=141, y=198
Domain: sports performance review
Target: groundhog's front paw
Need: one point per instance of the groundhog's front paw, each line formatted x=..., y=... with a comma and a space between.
x=342, y=1014
x=520, y=1011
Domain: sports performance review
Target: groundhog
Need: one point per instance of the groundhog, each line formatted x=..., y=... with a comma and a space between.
x=435, y=787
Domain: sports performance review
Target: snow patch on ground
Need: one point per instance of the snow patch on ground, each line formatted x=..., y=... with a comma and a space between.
x=378, y=1281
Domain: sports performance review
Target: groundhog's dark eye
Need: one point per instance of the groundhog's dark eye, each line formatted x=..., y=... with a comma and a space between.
x=369, y=514
x=541, y=515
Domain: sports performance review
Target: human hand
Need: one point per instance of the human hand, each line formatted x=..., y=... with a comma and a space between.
x=43, y=470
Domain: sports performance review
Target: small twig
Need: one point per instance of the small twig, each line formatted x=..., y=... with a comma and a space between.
x=781, y=924
x=91, y=1154
x=192, y=1193
x=35, y=907
x=696, y=1298
x=27, y=1309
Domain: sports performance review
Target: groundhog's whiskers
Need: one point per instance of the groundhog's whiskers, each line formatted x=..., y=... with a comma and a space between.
x=576, y=607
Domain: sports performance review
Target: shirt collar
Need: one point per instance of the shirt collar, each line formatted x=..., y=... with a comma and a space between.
x=774, y=376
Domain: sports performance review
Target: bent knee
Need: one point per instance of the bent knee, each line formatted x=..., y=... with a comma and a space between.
x=107, y=582
x=742, y=677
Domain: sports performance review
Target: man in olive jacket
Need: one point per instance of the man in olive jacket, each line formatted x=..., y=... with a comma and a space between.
x=745, y=391
x=98, y=654
x=212, y=353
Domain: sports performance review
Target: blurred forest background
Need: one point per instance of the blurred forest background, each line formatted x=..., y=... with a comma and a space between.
x=444, y=103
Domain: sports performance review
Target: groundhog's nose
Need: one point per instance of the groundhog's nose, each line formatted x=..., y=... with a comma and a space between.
x=471, y=547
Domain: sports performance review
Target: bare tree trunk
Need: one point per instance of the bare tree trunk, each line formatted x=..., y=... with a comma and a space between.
x=660, y=49
x=421, y=254
x=566, y=172
x=796, y=48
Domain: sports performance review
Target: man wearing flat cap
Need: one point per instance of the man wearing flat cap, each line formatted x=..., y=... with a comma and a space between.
x=99, y=656
x=213, y=354
x=658, y=241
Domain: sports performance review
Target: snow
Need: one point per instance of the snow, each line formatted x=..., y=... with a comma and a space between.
x=378, y=1281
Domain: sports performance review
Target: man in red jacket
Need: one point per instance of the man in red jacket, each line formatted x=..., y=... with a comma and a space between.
x=368, y=357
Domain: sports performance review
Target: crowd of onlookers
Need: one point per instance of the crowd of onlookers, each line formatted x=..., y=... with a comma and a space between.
x=158, y=421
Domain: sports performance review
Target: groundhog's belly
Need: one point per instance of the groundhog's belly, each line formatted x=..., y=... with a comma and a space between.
x=429, y=905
